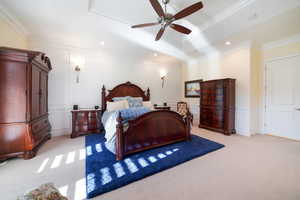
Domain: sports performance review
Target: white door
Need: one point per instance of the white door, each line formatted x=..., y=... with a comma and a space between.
x=283, y=98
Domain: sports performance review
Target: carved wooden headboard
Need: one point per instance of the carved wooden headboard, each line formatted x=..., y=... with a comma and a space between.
x=123, y=90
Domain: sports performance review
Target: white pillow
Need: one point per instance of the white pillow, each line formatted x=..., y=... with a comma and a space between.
x=148, y=104
x=118, y=105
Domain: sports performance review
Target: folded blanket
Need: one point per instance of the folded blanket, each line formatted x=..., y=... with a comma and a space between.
x=132, y=113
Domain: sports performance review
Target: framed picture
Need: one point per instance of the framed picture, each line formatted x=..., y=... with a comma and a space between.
x=192, y=89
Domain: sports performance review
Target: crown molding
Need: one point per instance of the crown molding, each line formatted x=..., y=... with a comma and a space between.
x=92, y=10
x=12, y=20
x=227, y=13
x=220, y=53
x=50, y=42
x=283, y=42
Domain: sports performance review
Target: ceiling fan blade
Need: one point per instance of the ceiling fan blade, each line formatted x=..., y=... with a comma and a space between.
x=160, y=33
x=181, y=29
x=189, y=10
x=157, y=7
x=145, y=25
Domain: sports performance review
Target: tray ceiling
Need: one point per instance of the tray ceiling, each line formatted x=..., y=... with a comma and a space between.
x=86, y=23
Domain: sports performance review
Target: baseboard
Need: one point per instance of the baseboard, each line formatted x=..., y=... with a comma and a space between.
x=295, y=140
x=243, y=132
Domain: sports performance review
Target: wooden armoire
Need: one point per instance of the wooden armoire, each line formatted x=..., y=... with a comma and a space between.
x=217, y=106
x=24, y=124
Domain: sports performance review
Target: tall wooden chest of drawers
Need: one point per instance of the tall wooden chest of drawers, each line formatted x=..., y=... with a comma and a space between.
x=217, y=106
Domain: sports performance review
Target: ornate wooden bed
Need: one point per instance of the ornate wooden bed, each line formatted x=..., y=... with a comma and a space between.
x=153, y=129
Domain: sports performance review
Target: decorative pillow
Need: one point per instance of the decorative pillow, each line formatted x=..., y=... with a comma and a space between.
x=120, y=98
x=44, y=192
x=118, y=105
x=148, y=104
x=135, y=102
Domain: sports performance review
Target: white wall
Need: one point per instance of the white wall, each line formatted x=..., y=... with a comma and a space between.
x=103, y=68
x=234, y=63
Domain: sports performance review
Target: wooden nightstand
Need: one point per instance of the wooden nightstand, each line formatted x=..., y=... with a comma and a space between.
x=86, y=122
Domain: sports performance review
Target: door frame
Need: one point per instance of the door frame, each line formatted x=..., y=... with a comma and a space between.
x=264, y=90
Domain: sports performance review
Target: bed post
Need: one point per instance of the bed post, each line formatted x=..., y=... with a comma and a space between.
x=119, y=139
x=188, y=120
x=103, y=106
x=148, y=94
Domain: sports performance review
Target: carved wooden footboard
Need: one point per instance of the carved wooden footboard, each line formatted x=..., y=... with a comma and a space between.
x=151, y=130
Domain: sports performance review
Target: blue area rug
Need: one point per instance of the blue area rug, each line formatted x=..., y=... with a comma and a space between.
x=104, y=173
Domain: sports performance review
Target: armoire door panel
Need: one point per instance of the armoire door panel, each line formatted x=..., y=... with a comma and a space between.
x=43, y=93
x=35, y=92
x=12, y=92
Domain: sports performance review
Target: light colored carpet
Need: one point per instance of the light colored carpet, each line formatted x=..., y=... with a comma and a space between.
x=258, y=167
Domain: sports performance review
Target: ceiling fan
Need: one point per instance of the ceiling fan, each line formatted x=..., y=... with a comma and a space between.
x=166, y=19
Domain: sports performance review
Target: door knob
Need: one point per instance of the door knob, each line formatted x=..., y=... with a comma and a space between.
x=298, y=109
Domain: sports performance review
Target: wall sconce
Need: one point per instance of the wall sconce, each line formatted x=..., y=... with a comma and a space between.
x=78, y=62
x=77, y=70
x=163, y=75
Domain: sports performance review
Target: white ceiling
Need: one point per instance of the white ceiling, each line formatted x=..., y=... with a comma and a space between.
x=86, y=23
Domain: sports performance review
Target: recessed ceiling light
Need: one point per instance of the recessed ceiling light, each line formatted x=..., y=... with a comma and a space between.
x=102, y=43
x=228, y=43
x=155, y=54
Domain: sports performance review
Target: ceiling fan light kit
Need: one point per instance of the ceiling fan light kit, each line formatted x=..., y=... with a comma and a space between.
x=166, y=19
